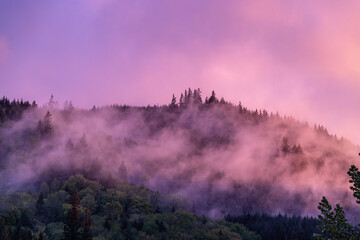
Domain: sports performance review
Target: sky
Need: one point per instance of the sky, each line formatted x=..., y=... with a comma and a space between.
x=300, y=58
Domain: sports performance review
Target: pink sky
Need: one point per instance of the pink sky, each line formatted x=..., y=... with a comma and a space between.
x=298, y=57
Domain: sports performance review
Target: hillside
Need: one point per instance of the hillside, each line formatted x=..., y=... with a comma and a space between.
x=222, y=158
x=94, y=211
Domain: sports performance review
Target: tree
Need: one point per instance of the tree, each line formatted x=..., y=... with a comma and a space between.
x=52, y=102
x=334, y=222
x=40, y=205
x=188, y=97
x=285, y=147
x=123, y=172
x=45, y=127
x=213, y=98
x=197, y=96
x=55, y=185
x=173, y=104
x=240, y=108
x=72, y=224
x=44, y=188
x=181, y=103
x=87, y=225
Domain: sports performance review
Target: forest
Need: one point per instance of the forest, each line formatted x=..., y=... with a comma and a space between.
x=79, y=208
x=192, y=169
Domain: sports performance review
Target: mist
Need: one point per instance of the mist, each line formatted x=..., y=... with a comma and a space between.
x=222, y=158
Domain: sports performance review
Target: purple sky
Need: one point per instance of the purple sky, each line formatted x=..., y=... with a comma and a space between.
x=299, y=57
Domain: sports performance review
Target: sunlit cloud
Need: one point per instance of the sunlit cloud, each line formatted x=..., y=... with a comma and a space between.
x=287, y=56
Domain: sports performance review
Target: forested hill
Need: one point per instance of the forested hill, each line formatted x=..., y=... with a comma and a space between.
x=81, y=209
x=222, y=158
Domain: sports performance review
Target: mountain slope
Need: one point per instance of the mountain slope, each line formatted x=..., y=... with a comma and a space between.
x=222, y=158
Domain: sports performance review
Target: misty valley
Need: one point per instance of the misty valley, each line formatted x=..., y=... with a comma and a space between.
x=193, y=169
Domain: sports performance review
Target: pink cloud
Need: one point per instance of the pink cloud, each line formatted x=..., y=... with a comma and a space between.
x=296, y=57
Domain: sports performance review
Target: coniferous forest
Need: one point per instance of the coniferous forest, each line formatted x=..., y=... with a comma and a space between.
x=197, y=168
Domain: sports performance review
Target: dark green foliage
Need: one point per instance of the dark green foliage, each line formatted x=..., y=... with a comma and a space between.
x=355, y=180
x=278, y=227
x=124, y=212
x=334, y=223
x=86, y=235
x=13, y=110
x=72, y=223
x=40, y=205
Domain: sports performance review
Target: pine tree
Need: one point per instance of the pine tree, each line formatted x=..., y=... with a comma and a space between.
x=45, y=127
x=87, y=225
x=40, y=204
x=181, y=102
x=123, y=172
x=173, y=104
x=197, y=96
x=334, y=222
x=52, y=102
x=72, y=224
x=213, y=98
x=188, y=97
x=285, y=147
x=240, y=108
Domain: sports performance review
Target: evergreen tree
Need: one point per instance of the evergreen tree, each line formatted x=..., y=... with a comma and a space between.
x=181, y=102
x=188, y=97
x=173, y=104
x=197, y=96
x=45, y=127
x=285, y=147
x=72, y=224
x=40, y=205
x=334, y=222
x=123, y=172
x=240, y=108
x=213, y=98
x=87, y=225
x=52, y=102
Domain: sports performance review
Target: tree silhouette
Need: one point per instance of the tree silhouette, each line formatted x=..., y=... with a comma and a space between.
x=334, y=222
x=87, y=225
x=173, y=104
x=181, y=102
x=72, y=224
x=123, y=172
x=213, y=98
x=285, y=147
x=45, y=126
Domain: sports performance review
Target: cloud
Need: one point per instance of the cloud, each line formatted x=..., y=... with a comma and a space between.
x=268, y=54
